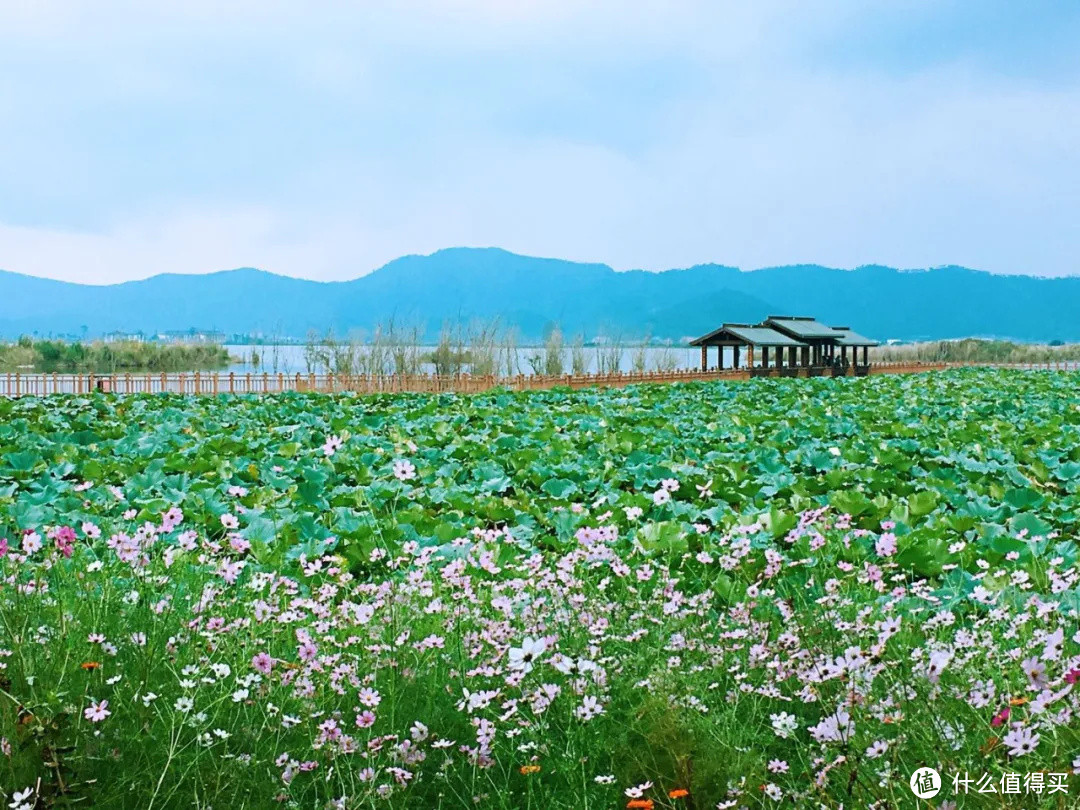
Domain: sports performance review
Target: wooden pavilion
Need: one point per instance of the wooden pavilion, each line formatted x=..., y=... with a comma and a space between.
x=809, y=347
x=739, y=335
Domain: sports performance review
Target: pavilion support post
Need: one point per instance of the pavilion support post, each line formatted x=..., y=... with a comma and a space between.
x=704, y=358
x=720, y=358
x=750, y=356
x=843, y=356
x=764, y=356
x=779, y=356
x=735, y=356
x=865, y=354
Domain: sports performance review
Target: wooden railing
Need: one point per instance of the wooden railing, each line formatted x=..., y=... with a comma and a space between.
x=15, y=384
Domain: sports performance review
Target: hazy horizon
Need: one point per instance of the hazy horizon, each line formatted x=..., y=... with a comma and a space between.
x=321, y=141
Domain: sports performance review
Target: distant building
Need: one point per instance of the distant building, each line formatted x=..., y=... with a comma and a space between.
x=121, y=336
x=191, y=336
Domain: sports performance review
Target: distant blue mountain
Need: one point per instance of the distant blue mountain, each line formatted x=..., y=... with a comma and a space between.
x=465, y=284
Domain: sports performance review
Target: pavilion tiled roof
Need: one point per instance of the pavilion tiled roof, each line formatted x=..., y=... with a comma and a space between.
x=800, y=328
x=753, y=335
x=849, y=337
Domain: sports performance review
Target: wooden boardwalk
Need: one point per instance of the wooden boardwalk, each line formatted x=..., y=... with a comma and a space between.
x=13, y=384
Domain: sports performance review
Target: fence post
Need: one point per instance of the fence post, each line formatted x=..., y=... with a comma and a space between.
x=198, y=383
x=232, y=382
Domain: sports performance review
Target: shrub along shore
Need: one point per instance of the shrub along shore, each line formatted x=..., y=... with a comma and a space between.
x=101, y=357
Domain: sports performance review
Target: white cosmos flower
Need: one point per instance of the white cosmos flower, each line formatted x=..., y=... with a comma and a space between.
x=522, y=658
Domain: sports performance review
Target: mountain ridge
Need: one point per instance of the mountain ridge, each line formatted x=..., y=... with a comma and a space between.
x=532, y=293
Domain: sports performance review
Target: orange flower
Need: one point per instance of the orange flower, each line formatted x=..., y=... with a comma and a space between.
x=641, y=804
x=527, y=769
x=90, y=665
x=1018, y=701
x=678, y=793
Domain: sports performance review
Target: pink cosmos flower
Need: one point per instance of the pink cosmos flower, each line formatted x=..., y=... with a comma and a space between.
x=262, y=662
x=404, y=470
x=886, y=545
x=171, y=519
x=31, y=542
x=230, y=570
x=65, y=540
x=96, y=712
x=369, y=697
x=239, y=544
x=365, y=719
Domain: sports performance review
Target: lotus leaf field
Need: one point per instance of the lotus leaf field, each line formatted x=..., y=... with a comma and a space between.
x=778, y=593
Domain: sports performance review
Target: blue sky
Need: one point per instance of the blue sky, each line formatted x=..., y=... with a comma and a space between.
x=323, y=139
